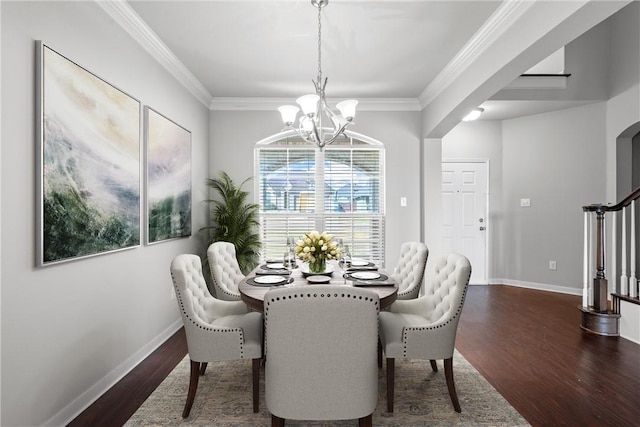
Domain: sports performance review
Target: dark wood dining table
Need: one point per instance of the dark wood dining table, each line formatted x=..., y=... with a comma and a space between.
x=253, y=295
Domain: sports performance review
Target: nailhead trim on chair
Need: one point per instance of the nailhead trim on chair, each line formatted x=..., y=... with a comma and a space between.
x=226, y=260
x=315, y=295
x=235, y=330
x=442, y=325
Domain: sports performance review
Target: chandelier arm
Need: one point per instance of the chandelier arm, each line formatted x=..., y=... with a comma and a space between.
x=300, y=133
x=317, y=130
x=336, y=134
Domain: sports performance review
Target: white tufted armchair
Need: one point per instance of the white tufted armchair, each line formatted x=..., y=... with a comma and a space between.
x=225, y=271
x=216, y=330
x=410, y=269
x=321, y=361
x=425, y=328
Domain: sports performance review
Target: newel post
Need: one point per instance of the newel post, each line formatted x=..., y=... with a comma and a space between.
x=600, y=287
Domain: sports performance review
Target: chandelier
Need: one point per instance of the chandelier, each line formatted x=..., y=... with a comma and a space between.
x=314, y=106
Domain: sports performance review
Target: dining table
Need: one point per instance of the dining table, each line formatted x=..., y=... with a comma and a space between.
x=272, y=274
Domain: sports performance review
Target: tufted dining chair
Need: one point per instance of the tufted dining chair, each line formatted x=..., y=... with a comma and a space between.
x=410, y=269
x=321, y=361
x=216, y=330
x=225, y=271
x=425, y=328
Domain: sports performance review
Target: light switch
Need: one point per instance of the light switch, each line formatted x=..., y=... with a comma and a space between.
x=403, y=201
x=525, y=203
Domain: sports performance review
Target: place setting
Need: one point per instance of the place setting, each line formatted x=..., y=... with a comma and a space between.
x=275, y=273
x=368, y=278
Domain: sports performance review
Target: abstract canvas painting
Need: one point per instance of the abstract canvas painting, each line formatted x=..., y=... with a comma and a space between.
x=168, y=166
x=89, y=149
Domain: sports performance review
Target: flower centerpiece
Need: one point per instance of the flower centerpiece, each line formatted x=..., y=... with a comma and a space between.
x=316, y=248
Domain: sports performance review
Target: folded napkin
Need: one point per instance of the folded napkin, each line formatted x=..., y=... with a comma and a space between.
x=373, y=283
x=363, y=268
x=272, y=272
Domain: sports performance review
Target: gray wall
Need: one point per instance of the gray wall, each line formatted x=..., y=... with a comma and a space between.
x=70, y=330
x=561, y=160
x=555, y=159
x=234, y=134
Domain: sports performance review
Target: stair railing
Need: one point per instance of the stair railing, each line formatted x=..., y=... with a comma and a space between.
x=596, y=288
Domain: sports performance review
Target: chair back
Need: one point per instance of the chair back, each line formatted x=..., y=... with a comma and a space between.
x=321, y=361
x=446, y=291
x=191, y=288
x=409, y=272
x=225, y=271
x=215, y=330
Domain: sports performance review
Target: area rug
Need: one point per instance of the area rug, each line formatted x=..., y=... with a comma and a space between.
x=421, y=399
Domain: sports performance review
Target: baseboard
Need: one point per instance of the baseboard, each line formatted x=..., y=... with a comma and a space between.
x=539, y=286
x=82, y=402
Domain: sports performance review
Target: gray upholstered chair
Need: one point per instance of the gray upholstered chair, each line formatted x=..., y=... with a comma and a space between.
x=410, y=269
x=216, y=330
x=321, y=361
x=425, y=328
x=225, y=271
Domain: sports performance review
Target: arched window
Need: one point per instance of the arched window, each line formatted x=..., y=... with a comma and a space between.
x=339, y=190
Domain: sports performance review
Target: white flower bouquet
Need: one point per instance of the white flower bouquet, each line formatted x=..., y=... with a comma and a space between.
x=316, y=248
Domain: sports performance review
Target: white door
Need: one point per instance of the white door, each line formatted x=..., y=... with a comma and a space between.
x=464, y=214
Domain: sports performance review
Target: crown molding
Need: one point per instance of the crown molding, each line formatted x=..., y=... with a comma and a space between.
x=366, y=104
x=539, y=82
x=502, y=19
x=131, y=22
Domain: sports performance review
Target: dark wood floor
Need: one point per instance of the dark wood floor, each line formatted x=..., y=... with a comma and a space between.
x=527, y=343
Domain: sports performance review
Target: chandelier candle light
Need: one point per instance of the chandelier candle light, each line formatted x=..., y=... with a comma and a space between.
x=314, y=106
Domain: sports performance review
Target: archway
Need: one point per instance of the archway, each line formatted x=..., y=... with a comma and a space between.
x=627, y=161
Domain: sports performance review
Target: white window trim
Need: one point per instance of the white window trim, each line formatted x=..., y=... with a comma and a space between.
x=273, y=141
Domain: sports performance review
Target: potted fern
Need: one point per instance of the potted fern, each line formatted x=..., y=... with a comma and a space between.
x=234, y=220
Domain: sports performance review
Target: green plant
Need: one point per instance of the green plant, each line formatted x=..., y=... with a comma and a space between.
x=234, y=220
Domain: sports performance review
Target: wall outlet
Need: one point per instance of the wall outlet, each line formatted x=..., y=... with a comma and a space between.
x=525, y=203
x=552, y=265
x=403, y=201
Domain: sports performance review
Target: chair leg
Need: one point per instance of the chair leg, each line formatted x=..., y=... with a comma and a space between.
x=390, y=382
x=379, y=353
x=434, y=366
x=203, y=368
x=448, y=373
x=256, y=384
x=193, y=386
x=277, y=421
x=366, y=421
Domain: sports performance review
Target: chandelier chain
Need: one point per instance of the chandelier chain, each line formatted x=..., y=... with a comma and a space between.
x=314, y=106
x=319, y=46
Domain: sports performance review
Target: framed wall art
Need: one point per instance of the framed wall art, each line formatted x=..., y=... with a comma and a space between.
x=168, y=170
x=88, y=162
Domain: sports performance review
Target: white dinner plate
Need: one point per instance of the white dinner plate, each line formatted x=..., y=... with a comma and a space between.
x=365, y=275
x=269, y=280
x=318, y=279
x=359, y=263
x=275, y=265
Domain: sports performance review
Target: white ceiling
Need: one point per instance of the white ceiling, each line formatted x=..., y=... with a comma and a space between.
x=374, y=49
x=371, y=49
